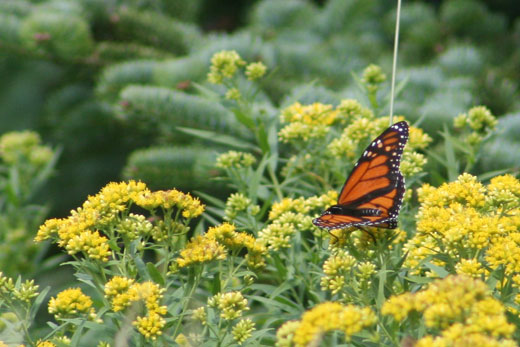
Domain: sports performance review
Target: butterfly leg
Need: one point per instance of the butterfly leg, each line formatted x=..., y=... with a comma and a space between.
x=334, y=236
x=369, y=233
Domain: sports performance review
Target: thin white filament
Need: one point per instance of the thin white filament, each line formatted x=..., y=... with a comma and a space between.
x=394, y=63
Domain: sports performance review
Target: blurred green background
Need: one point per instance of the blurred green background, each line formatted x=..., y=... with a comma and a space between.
x=110, y=81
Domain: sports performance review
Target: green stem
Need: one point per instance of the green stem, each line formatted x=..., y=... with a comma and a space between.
x=190, y=292
x=276, y=184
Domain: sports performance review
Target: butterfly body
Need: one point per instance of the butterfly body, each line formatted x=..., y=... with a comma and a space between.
x=373, y=193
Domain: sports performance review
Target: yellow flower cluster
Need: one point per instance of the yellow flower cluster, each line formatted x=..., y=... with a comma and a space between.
x=255, y=70
x=217, y=242
x=237, y=203
x=478, y=227
x=481, y=122
x=168, y=199
x=80, y=231
x=71, y=303
x=226, y=235
x=306, y=121
x=224, y=64
x=459, y=307
x=42, y=344
x=290, y=215
x=336, y=270
x=234, y=159
x=350, y=109
x=122, y=292
x=24, y=146
x=242, y=330
x=231, y=304
x=325, y=317
x=201, y=250
x=373, y=76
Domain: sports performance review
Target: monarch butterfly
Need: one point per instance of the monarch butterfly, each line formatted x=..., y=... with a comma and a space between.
x=373, y=193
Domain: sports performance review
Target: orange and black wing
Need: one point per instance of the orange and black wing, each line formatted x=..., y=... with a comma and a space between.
x=373, y=193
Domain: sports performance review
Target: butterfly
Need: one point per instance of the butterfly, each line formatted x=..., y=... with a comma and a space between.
x=373, y=193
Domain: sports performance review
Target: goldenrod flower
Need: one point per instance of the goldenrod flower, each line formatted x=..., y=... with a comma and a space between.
x=168, y=199
x=399, y=306
x=49, y=229
x=457, y=306
x=235, y=159
x=6, y=284
x=41, y=344
x=412, y=163
x=150, y=326
x=16, y=145
x=224, y=64
x=226, y=235
x=201, y=315
x=350, y=109
x=116, y=290
x=134, y=225
x=302, y=131
x=364, y=273
x=242, y=330
x=182, y=340
x=122, y=292
x=331, y=316
x=26, y=291
x=503, y=193
x=285, y=334
x=255, y=70
x=277, y=235
x=91, y=243
x=233, y=94
x=236, y=203
x=231, y=304
x=79, y=232
x=336, y=268
x=467, y=338
x=201, y=250
x=418, y=139
x=463, y=219
x=306, y=122
x=288, y=205
x=373, y=76
x=470, y=267
x=481, y=120
x=71, y=303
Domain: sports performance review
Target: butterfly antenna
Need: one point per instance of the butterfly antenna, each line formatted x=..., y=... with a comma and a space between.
x=394, y=63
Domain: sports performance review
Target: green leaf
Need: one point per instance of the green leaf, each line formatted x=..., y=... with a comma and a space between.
x=219, y=138
x=418, y=279
x=155, y=275
x=38, y=302
x=244, y=118
x=437, y=269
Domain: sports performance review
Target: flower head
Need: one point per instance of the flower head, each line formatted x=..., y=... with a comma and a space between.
x=255, y=70
x=331, y=316
x=234, y=159
x=224, y=64
x=242, y=330
x=71, y=303
x=231, y=304
x=201, y=250
x=457, y=306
